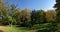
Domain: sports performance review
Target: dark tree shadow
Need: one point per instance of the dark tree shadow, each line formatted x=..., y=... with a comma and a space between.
x=1, y=31
x=43, y=31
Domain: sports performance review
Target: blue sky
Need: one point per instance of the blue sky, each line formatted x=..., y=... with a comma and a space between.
x=34, y=4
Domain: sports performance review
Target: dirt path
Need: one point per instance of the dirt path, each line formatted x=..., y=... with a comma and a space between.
x=3, y=28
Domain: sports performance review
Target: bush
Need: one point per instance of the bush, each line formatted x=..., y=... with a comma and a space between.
x=5, y=23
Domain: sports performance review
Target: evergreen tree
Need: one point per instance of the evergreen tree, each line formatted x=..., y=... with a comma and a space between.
x=57, y=6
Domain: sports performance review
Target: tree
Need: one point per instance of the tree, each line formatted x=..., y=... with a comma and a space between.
x=41, y=16
x=33, y=17
x=26, y=17
x=17, y=15
x=38, y=17
x=50, y=16
x=11, y=18
x=3, y=11
x=57, y=6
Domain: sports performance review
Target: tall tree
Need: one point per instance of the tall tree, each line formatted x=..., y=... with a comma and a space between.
x=50, y=16
x=41, y=16
x=3, y=10
x=37, y=17
x=57, y=6
x=26, y=17
x=33, y=17
x=17, y=15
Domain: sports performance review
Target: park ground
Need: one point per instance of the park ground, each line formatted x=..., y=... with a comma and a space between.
x=14, y=29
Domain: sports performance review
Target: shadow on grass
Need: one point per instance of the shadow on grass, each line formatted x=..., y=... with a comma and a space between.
x=43, y=31
x=1, y=31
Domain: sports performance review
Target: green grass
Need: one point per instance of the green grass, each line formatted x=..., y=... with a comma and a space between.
x=17, y=29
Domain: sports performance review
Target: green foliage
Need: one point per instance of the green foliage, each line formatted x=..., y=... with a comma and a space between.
x=57, y=6
x=38, y=17
x=11, y=15
x=50, y=16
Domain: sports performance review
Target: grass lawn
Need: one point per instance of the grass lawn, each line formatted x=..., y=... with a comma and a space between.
x=17, y=29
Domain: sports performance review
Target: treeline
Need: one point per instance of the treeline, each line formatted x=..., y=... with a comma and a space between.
x=45, y=20
x=10, y=14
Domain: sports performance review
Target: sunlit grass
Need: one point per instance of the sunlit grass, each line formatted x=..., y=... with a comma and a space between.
x=16, y=29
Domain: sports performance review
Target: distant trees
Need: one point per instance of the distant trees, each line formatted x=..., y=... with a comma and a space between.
x=12, y=15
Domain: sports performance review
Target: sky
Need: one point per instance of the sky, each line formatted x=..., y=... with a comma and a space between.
x=34, y=4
